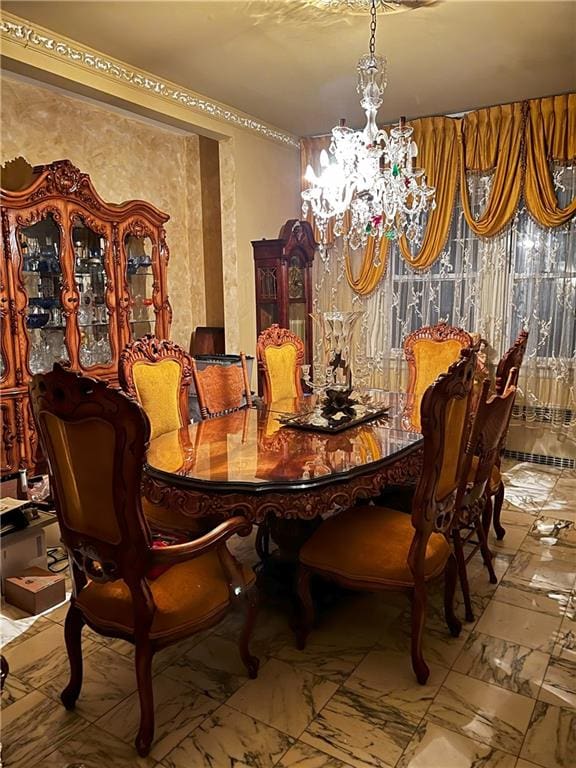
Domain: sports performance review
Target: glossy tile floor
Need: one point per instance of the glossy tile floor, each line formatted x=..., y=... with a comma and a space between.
x=503, y=695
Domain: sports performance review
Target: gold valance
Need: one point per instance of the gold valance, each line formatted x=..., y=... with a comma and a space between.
x=516, y=141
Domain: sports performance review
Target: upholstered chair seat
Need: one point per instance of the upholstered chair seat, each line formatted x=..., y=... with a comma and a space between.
x=186, y=597
x=350, y=546
x=374, y=547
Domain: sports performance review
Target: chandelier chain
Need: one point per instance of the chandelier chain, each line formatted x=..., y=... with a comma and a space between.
x=372, y=27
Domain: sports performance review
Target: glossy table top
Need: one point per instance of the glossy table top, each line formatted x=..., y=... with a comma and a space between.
x=250, y=450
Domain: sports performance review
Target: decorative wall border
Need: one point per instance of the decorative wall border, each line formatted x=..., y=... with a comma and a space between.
x=36, y=38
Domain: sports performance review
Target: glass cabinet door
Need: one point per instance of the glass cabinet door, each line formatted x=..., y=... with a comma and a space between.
x=93, y=317
x=140, y=279
x=40, y=246
x=267, y=292
x=297, y=317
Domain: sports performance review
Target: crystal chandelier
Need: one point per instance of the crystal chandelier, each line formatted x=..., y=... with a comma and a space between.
x=370, y=187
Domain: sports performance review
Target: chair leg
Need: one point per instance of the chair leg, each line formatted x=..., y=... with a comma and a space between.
x=262, y=543
x=73, y=638
x=146, y=694
x=250, y=662
x=498, y=501
x=484, y=549
x=419, y=666
x=307, y=617
x=462, y=573
x=450, y=578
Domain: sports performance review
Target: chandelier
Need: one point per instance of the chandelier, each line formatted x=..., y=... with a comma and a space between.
x=370, y=186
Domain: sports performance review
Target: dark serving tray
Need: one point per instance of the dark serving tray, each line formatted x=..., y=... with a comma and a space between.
x=312, y=420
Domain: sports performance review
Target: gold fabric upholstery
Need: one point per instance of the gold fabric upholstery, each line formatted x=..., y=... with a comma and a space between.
x=456, y=421
x=185, y=596
x=158, y=387
x=281, y=365
x=371, y=544
x=431, y=358
x=84, y=452
x=164, y=519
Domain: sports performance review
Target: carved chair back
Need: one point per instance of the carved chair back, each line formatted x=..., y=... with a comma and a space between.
x=158, y=373
x=487, y=435
x=511, y=359
x=222, y=388
x=429, y=351
x=445, y=426
x=95, y=439
x=280, y=355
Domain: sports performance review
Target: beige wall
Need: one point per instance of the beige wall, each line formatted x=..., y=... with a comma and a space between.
x=128, y=158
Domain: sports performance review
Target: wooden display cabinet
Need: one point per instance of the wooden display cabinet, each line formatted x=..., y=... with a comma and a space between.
x=79, y=279
x=284, y=282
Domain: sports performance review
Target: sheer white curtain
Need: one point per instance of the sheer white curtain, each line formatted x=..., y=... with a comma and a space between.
x=523, y=277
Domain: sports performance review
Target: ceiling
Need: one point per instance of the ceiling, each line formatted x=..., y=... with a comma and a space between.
x=294, y=66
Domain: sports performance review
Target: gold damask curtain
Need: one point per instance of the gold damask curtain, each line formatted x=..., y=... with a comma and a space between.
x=515, y=141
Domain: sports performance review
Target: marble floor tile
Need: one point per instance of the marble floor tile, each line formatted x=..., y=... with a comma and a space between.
x=565, y=646
x=500, y=662
x=303, y=756
x=439, y=646
x=512, y=541
x=283, y=696
x=33, y=727
x=13, y=690
x=551, y=738
x=557, y=538
x=561, y=507
x=229, y=738
x=525, y=764
x=491, y=715
x=435, y=747
x=108, y=679
x=178, y=710
x=17, y=626
x=525, y=499
x=542, y=571
x=360, y=731
x=527, y=475
x=387, y=676
x=559, y=686
x=43, y=656
x=213, y=667
x=272, y=631
x=513, y=516
x=547, y=600
x=92, y=748
x=332, y=653
x=518, y=625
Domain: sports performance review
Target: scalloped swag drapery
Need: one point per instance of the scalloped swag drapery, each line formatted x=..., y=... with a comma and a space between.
x=514, y=142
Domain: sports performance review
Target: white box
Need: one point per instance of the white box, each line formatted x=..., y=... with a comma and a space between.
x=22, y=549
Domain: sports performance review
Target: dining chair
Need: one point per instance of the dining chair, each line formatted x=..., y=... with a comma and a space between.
x=480, y=480
x=222, y=388
x=372, y=547
x=280, y=355
x=158, y=373
x=511, y=359
x=124, y=586
x=429, y=351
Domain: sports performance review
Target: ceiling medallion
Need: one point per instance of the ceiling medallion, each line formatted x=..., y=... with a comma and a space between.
x=363, y=6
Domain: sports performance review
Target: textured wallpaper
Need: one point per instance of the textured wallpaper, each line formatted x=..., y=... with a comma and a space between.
x=126, y=158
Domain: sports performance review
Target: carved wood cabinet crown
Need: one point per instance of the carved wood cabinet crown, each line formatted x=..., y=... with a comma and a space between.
x=79, y=279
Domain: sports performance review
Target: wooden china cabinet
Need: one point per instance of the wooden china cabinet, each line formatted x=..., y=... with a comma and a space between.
x=79, y=279
x=283, y=273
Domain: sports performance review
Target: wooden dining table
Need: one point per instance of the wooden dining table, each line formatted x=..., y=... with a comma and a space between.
x=248, y=462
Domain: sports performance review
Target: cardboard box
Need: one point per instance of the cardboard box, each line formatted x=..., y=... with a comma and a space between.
x=35, y=590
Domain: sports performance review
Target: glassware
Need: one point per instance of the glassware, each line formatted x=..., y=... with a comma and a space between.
x=337, y=330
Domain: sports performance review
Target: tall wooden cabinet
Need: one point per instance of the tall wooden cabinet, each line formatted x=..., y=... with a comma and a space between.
x=79, y=279
x=284, y=281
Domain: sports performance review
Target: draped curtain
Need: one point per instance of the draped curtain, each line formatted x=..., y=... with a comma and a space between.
x=515, y=142
x=502, y=257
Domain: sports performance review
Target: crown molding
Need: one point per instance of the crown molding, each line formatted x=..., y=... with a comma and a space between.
x=48, y=43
